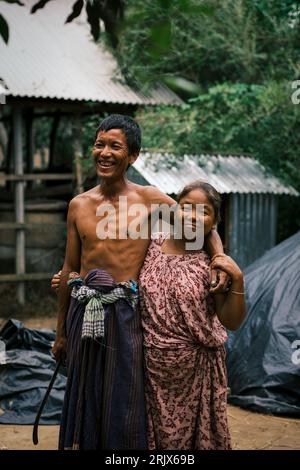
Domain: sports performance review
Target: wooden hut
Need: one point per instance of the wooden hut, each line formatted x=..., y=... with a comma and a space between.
x=50, y=69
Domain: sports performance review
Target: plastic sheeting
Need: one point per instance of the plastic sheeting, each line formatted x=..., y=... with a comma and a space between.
x=26, y=368
x=263, y=358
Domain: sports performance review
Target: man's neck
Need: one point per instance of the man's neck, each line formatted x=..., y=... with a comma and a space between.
x=111, y=189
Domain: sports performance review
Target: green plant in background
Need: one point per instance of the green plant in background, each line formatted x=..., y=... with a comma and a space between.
x=256, y=120
x=192, y=44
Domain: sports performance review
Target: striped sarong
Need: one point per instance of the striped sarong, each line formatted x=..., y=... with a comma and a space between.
x=104, y=406
x=93, y=320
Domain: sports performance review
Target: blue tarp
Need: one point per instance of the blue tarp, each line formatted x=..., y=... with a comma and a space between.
x=26, y=368
x=262, y=357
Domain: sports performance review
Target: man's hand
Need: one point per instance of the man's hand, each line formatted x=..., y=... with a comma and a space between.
x=228, y=265
x=220, y=281
x=59, y=349
x=55, y=281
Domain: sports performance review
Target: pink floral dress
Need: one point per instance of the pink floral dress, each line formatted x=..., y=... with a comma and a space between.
x=186, y=381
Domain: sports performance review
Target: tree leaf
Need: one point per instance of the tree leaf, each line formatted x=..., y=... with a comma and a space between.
x=4, y=31
x=13, y=1
x=39, y=5
x=161, y=34
x=77, y=7
x=93, y=19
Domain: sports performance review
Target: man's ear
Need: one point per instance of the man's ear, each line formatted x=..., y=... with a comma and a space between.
x=133, y=157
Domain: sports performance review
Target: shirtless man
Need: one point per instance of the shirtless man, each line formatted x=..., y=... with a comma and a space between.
x=117, y=145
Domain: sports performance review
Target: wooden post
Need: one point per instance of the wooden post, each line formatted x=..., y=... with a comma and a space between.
x=19, y=200
x=3, y=140
x=77, y=139
x=53, y=135
x=29, y=145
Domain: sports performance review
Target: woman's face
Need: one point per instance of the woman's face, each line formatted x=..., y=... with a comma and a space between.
x=195, y=212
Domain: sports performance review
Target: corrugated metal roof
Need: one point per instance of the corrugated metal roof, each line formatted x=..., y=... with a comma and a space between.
x=3, y=93
x=3, y=90
x=46, y=58
x=230, y=174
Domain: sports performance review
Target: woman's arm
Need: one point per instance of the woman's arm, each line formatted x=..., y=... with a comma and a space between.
x=55, y=281
x=230, y=307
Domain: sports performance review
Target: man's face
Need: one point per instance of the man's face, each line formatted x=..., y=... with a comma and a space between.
x=111, y=154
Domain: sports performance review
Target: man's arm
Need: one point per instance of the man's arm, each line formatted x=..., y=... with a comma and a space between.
x=230, y=307
x=220, y=280
x=155, y=196
x=156, y=200
x=71, y=263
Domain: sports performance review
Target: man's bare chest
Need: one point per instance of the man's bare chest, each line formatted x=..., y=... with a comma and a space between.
x=113, y=222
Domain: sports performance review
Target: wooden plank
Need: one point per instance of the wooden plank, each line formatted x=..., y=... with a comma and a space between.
x=37, y=176
x=54, y=191
x=29, y=226
x=25, y=277
x=82, y=107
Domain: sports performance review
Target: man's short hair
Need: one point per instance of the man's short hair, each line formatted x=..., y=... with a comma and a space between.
x=128, y=125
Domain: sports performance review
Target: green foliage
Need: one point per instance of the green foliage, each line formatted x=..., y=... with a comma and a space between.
x=256, y=120
x=210, y=42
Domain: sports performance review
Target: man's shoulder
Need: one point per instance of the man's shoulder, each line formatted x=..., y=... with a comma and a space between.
x=137, y=187
x=156, y=196
x=144, y=192
x=152, y=194
x=82, y=198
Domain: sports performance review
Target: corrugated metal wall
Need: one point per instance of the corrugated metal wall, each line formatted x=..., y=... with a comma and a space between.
x=252, y=226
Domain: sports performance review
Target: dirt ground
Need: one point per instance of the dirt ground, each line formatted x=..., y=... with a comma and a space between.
x=249, y=431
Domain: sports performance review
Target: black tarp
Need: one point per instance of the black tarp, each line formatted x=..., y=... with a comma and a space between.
x=26, y=368
x=262, y=357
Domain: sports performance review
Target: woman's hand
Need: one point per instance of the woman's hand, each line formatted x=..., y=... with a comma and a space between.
x=55, y=281
x=228, y=265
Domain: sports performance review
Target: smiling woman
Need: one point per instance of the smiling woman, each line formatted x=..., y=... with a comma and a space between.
x=185, y=331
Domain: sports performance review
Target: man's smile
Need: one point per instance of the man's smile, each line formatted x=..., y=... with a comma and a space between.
x=103, y=163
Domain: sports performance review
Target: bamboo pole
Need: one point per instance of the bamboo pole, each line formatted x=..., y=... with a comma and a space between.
x=78, y=153
x=26, y=277
x=19, y=200
x=37, y=176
